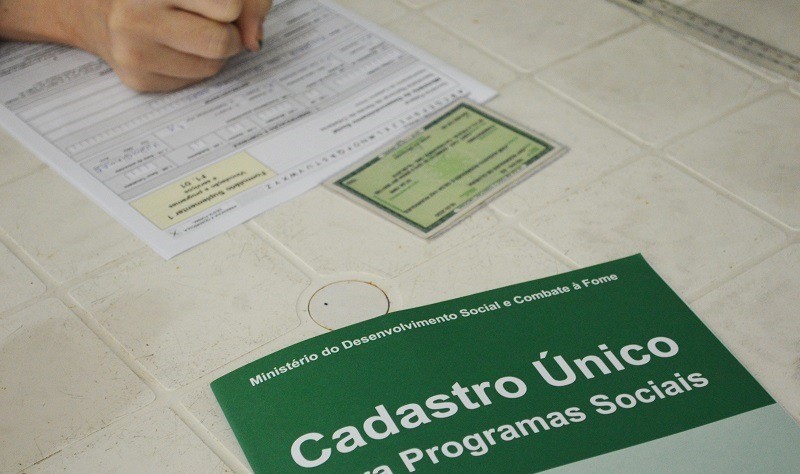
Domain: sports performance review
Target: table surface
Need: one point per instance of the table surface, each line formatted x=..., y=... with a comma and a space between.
x=679, y=152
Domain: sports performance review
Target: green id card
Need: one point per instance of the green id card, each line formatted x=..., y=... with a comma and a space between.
x=446, y=169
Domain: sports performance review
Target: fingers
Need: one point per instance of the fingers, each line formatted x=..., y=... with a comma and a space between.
x=251, y=22
x=160, y=70
x=162, y=60
x=152, y=82
x=172, y=50
x=190, y=33
x=223, y=11
x=159, y=45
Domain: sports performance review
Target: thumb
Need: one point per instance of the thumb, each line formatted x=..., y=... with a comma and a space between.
x=251, y=21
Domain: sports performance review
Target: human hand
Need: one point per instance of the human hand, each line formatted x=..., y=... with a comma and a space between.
x=162, y=45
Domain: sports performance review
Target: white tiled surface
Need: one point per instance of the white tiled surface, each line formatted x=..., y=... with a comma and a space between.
x=17, y=283
x=59, y=383
x=200, y=402
x=529, y=34
x=356, y=240
x=756, y=315
x=17, y=161
x=676, y=152
x=504, y=257
x=754, y=152
x=594, y=148
x=690, y=233
x=154, y=441
x=378, y=12
x=185, y=317
x=653, y=84
x=60, y=228
x=457, y=52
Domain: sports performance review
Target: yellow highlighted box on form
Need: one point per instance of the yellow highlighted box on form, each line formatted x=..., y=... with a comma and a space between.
x=202, y=190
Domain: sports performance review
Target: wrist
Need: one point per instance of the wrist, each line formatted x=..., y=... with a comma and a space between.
x=73, y=22
x=83, y=24
x=29, y=20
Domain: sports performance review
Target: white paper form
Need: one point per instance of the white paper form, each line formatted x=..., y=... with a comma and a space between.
x=179, y=168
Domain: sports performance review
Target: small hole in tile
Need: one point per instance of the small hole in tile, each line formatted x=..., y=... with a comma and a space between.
x=343, y=303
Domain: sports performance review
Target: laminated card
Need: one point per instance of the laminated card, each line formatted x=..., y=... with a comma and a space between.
x=603, y=369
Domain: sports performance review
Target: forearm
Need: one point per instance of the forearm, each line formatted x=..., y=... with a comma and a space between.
x=33, y=20
x=72, y=22
x=153, y=45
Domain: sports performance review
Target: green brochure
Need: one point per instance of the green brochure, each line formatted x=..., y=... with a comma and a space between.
x=603, y=369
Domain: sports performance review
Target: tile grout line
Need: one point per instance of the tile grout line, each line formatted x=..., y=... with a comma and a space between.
x=48, y=294
x=730, y=58
x=737, y=271
x=457, y=246
x=52, y=285
x=150, y=406
x=32, y=266
x=643, y=153
x=163, y=395
x=106, y=267
x=771, y=91
x=659, y=149
x=207, y=437
x=419, y=14
x=173, y=401
x=742, y=64
x=597, y=43
x=30, y=263
x=546, y=246
x=721, y=190
x=116, y=347
x=418, y=7
x=657, y=145
x=512, y=223
x=789, y=233
x=773, y=88
x=41, y=167
x=792, y=236
x=315, y=278
x=521, y=70
x=588, y=111
x=582, y=109
x=286, y=340
x=301, y=265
